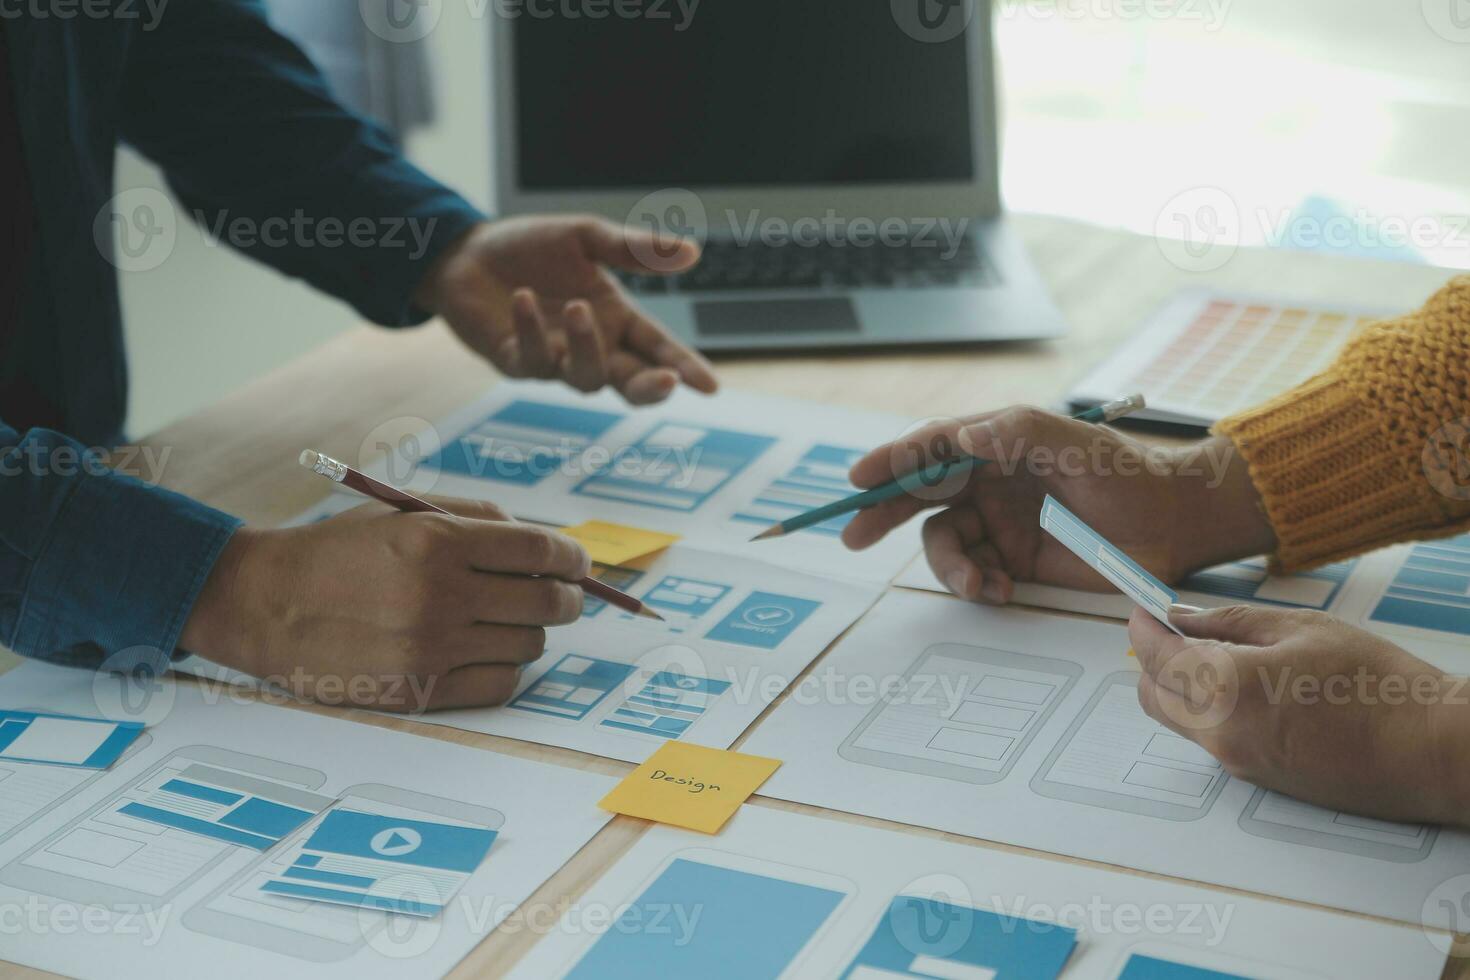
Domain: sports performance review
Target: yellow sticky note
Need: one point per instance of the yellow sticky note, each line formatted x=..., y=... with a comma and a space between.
x=615, y=544
x=690, y=786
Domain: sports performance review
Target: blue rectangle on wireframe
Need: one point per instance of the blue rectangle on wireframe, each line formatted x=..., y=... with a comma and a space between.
x=1435, y=581
x=10, y=730
x=208, y=794
x=446, y=847
x=675, y=466
x=1141, y=967
x=194, y=825
x=263, y=817
x=14, y=723
x=329, y=877
x=685, y=683
x=584, y=422
x=1010, y=947
x=572, y=687
x=369, y=901
x=524, y=442
x=763, y=620
x=749, y=927
x=1423, y=614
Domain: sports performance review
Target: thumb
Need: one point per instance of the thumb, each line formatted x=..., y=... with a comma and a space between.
x=626, y=247
x=1246, y=625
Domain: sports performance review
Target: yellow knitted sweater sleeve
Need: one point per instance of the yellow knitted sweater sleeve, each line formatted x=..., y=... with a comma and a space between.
x=1376, y=449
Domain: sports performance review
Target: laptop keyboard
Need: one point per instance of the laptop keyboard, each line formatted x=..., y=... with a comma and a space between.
x=729, y=267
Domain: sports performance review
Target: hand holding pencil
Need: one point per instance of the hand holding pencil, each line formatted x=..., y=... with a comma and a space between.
x=339, y=472
x=403, y=612
x=1174, y=509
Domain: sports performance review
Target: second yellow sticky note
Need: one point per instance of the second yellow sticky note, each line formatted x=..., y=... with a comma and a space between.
x=616, y=544
x=690, y=786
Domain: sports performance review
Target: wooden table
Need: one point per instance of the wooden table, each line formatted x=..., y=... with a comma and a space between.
x=240, y=454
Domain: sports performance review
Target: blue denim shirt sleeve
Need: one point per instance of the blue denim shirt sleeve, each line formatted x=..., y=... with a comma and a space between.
x=93, y=562
x=265, y=158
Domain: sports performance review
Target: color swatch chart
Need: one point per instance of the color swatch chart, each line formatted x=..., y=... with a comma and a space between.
x=1234, y=355
x=1204, y=355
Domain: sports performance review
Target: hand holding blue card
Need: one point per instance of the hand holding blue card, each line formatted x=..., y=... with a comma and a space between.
x=1112, y=564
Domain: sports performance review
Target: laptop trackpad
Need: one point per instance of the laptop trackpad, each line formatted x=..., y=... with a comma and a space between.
x=772, y=316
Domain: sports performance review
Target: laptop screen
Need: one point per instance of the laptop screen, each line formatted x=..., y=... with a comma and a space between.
x=689, y=93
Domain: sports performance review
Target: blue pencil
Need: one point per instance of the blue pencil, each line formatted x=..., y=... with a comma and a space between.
x=930, y=476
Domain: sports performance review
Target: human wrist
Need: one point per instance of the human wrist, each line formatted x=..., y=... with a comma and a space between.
x=1220, y=517
x=428, y=295
x=1449, y=753
x=217, y=628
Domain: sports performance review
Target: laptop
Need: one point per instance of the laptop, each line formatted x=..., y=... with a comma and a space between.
x=837, y=158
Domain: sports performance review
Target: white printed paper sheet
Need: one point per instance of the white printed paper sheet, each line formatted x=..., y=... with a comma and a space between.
x=716, y=470
x=180, y=893
x=1417, y=595
x=1024, y=728
x=780, y=894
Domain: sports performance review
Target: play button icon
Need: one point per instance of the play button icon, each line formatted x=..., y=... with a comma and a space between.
x=396, y=841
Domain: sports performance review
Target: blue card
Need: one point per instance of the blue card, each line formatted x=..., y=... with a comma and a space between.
x=1129, y=576
x=226, y=806
x=64, y=740
x=380, y=862
x=930, y=938
x=1140, y=967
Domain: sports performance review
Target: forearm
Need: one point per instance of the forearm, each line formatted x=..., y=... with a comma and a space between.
x=1447, y=788
x=270, y=163
x=1220, y=513
x=1370, y=452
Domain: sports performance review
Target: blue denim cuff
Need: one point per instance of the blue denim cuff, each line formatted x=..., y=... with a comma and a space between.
x=120, y=571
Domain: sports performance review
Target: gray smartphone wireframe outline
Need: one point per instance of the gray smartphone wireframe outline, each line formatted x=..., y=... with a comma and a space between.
x=1070, y=671
x=235, y=928
x=141, y=742
x=43, y=881
x=1086, y=795
x=1259, y=827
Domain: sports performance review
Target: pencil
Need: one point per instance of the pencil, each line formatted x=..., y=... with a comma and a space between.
x=339, y=472
x=930, y=476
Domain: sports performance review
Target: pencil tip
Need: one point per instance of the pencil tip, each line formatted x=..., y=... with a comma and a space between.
x=649, y=614
x=774, y=531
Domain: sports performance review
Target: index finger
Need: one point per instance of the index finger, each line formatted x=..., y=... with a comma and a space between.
x=933, y=443
x=523, y=549
x=653, y=342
